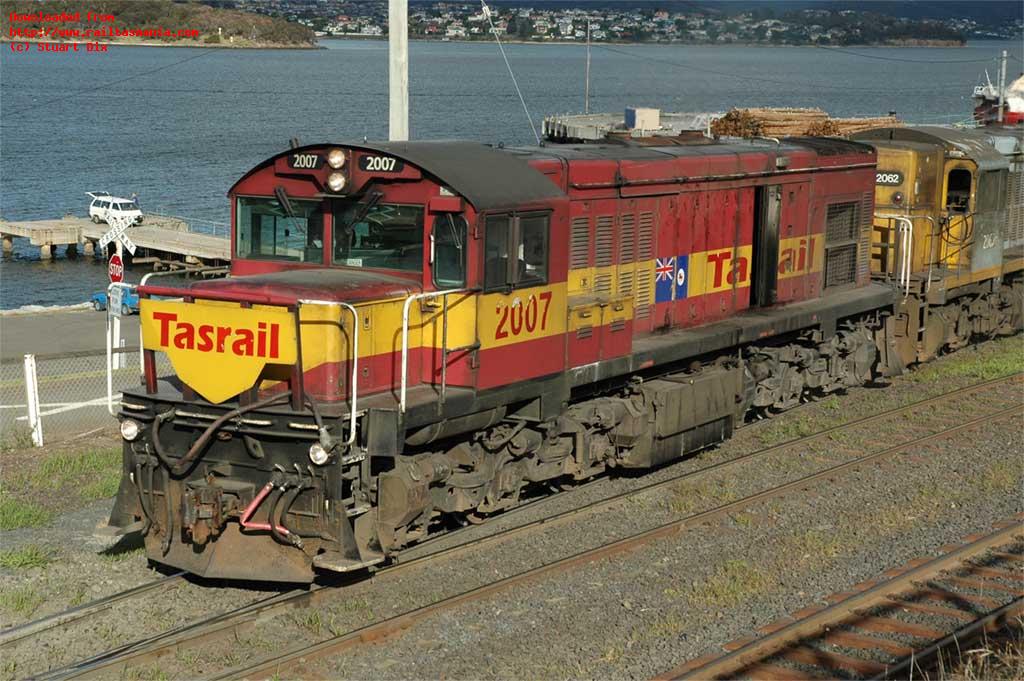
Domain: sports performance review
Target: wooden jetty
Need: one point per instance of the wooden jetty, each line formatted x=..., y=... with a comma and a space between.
x=159, y=237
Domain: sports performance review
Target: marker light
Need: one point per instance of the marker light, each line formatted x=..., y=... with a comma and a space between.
x=336, y=158
x=336, y=182
x=318, y=455
x=897, y=197
x=130, y=429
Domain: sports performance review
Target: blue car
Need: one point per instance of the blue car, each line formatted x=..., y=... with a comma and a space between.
x=129, y=304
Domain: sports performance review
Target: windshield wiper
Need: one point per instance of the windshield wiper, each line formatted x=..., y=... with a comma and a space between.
x=286, y=205
x=365, y=206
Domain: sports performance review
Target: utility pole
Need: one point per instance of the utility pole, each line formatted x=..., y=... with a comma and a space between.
x=398, y=70
x=1002, y=86
x=586, y=87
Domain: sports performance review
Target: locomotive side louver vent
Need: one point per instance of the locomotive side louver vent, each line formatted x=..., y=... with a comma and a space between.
x=842, y=233
x=645, y=268
x=579, y=247
x=1015, y=209
x=604, y=254
x=866, y=225
x=627, y=254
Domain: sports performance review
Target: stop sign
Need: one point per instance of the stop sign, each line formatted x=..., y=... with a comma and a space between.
x=115, y=269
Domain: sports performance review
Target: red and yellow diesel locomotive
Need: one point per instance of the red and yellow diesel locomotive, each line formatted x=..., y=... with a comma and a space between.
x=414, y=334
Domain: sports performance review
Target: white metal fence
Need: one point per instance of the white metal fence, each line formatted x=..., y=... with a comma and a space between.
x=55, y=397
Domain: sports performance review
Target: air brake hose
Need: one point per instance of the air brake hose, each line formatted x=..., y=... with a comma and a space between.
x=142, y=499
x=150, y=470
x=288, y=539
x=169, y=528
x=185, y=462
x=326, y=441
x=286, y=506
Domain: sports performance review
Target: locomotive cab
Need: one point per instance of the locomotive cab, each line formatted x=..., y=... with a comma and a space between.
x=941, y=233
x=940, y=207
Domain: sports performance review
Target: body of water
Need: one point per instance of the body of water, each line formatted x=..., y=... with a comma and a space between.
x=178, y=126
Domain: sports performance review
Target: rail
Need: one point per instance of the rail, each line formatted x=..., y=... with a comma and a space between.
x=444, y=339
x=353, y=384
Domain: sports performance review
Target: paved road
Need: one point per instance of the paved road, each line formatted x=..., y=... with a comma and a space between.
x=62, y=331
x=72, y=391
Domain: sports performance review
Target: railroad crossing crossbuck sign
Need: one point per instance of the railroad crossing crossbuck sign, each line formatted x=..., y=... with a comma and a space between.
x=119, y=224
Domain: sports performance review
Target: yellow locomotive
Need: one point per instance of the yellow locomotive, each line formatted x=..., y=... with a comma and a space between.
x=948, y=232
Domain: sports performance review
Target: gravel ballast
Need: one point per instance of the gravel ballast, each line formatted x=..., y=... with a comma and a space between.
x=630, y=616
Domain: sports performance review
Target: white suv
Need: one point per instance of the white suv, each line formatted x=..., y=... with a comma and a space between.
x=104, y=206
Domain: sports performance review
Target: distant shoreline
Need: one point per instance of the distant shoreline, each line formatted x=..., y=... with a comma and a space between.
x=566, y=43
x=612, y=43
x=157, y=43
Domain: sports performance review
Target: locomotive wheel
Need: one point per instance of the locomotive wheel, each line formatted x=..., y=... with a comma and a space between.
x=475, y=519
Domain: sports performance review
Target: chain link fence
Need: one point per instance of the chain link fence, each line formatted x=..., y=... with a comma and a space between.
x=55, y=397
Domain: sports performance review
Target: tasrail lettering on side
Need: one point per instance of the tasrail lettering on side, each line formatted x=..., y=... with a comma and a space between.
x=219, y=350
x=206, y=337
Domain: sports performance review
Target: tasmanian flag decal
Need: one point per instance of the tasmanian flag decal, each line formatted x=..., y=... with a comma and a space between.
x=670, y=279
x=664, y=278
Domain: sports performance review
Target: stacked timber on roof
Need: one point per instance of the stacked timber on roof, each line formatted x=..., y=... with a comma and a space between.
x=789, y=122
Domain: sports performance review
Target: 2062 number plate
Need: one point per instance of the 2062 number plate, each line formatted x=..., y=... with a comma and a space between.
x=890, y=178
x=381, y=164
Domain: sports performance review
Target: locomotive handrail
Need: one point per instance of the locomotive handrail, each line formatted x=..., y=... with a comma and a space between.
x=906, y=247
x=354, y=387
x=405, y=337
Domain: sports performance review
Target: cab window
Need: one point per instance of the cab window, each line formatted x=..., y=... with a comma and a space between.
x=958, y=190
x=379, y=235
x=516, y=250
x=448, y=251
x=266, y=232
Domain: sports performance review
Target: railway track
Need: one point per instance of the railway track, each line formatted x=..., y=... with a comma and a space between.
x=302, y=655
x=973, y=587
x=10, y=636
x=235, y=622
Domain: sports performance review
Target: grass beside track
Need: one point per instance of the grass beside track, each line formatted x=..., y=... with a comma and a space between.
x=36, y=485
x=997, y=658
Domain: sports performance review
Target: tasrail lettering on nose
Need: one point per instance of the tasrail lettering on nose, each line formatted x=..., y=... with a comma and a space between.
x=264, y=342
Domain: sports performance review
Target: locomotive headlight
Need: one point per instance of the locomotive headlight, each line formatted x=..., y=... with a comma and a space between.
x=130, y=429
x=336, y=182
x=897, y=197
x=318, y=455
x=336, y=158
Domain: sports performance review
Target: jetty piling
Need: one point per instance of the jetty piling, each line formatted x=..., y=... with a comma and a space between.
x=160, y=237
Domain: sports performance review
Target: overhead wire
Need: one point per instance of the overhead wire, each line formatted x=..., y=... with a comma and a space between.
x=759, y=79
x=908, y=61
x=487, y=13
x=107, y=84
